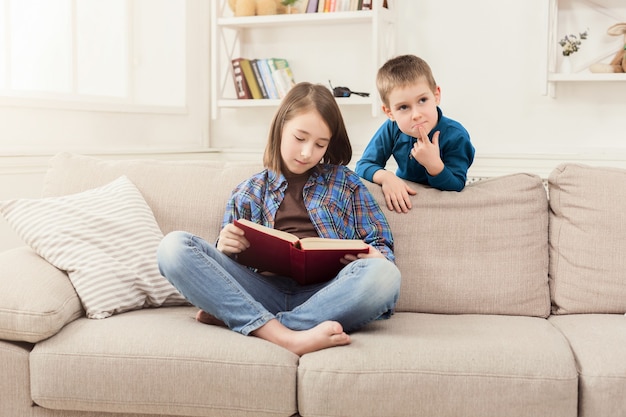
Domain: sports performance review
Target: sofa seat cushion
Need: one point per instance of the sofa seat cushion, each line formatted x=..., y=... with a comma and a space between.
x=587, y=239
x=483, y=250
x=162, y=361
x=443, y=365
x=599, y=345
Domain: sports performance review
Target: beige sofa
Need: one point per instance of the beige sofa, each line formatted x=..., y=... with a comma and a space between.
x=512, y=304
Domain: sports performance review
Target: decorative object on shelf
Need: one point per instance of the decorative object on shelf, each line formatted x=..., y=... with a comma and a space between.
x=290, y=6
x=256, y=7
x=566, y=65
x=345, y=91
x=618, y=63
x=571, y=43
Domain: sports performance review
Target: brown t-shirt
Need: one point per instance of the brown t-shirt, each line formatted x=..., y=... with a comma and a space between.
x=292, y=215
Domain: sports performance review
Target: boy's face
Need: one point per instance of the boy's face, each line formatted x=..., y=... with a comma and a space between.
x=414, y=106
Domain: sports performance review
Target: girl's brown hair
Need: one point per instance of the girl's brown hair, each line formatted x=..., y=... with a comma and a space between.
x=402, y=71
x=301, y=98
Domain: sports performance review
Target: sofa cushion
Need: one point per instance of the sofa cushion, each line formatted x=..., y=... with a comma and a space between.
x=183, y=195
x=164, y=362
x=483, y=250
x=105, y=238
x=37, y=298
x=587, y=239
x=443, y=365
x=598, y=342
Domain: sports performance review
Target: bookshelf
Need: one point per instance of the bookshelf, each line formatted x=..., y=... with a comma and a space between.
x=570, y=16
x=369, y=31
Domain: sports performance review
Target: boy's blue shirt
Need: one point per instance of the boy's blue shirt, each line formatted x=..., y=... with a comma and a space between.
x=456, y=150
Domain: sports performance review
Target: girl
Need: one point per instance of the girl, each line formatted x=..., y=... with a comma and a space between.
x=307, y=190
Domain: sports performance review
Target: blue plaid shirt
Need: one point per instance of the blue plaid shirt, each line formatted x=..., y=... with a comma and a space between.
x=339, y=205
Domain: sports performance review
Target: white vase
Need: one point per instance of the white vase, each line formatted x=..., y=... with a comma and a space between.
x=566, y=65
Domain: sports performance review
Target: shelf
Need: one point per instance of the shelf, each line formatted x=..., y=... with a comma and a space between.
x=559, y=77
x=286, y=20
x=596, y=16
x=235, y=103
x=231, y=38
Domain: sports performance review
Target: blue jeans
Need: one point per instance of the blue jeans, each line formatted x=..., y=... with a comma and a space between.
x=363, y=291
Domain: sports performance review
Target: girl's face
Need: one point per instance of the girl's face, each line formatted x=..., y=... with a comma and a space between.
x=414, y=106
x=304, y=142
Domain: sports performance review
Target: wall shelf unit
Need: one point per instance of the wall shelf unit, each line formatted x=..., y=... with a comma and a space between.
x=570, y=16
x=232, y=37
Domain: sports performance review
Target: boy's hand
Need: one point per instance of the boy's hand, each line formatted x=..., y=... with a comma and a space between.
x=232, y=240
x=427, y=153
x=395, y=190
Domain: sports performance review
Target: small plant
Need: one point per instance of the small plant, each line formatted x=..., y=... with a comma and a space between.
x=571, y=43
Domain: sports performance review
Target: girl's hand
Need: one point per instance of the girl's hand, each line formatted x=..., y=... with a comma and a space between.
x=232, y=240
x=373, y=253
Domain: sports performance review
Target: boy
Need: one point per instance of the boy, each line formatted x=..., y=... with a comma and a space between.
x=428, y=147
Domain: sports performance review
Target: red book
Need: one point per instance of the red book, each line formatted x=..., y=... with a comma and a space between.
x=241, y=85
x=309, y=260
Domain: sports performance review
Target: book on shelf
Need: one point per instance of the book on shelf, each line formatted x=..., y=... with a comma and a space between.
x=259, y=79
x=241, y=85
x=268, y=80
x=246, y=67
x=308, y=260
x=329, y=6
x=282, y=75
x=311, y=6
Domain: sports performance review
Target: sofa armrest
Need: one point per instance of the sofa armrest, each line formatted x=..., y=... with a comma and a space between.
x=36, y=300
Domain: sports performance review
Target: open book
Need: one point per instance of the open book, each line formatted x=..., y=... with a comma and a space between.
x=308, y=260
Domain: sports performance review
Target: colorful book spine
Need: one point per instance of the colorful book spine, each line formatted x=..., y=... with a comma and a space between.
x=246, y=67
x=268, y=80
x=311, y=6
x=259, y=78
x=241, y=85
x=283, y=76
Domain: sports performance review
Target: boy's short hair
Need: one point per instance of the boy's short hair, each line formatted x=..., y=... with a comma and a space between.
x=401, y=71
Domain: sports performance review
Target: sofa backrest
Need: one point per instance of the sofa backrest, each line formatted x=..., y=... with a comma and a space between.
x=587, y=239
x=481, y=251
x=183, y=195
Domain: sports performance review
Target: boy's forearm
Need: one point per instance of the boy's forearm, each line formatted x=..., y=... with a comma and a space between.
x=381, y=175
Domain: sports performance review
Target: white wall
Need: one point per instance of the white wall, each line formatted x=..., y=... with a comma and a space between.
x=488, y=56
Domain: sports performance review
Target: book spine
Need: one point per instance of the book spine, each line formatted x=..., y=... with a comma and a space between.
x=264, y=69
x=281, y=88
x=321, y=5
x=259, y=78
x=241, y=85
x=255, y=91
x=298, y=266
x=311, y=6
x=284, y=74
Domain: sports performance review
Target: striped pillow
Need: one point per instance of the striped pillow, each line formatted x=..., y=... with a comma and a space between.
x=106, y=240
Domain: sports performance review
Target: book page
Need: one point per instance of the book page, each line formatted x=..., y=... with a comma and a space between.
x=313, y=243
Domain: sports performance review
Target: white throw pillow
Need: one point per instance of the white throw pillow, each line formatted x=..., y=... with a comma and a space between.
x=105, y=238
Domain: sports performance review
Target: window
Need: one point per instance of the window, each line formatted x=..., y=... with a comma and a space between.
x=100, y=55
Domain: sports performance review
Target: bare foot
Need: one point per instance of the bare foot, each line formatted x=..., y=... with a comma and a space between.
x=322, y=336
x=204, y=317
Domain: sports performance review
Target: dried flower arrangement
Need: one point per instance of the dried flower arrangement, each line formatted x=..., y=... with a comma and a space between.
x=571, y=43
